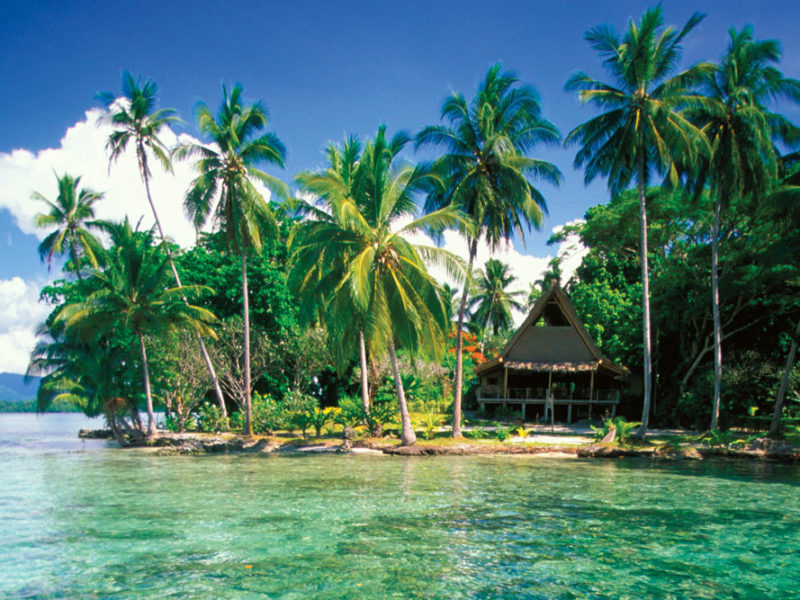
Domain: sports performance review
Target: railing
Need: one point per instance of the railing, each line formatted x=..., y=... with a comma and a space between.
x=560, y=395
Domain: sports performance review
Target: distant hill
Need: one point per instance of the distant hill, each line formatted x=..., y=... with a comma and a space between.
x=9, y=395
x=14, y=389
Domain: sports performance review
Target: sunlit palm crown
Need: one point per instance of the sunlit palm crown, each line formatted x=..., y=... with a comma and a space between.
x=493, y=301
x=72, y=214
x=642, y=106
x=351, y=260
x=485, y=169
x=227, y=166
x=735, y=118
x=131, y=292
x=134, y=118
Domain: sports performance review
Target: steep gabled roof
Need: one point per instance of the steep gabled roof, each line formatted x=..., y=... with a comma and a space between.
x=592, y=357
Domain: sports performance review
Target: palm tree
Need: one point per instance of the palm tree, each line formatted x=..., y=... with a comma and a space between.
x=226, y=188
x=492, y=299
x=311, y=275
x=130, y=295
x=355, y=247
x=642, y=128
x=136, y=121
x=740, y=130
x=72, y=214
x=486, y=172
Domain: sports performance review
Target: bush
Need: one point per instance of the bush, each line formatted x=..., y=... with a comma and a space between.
x=382, y=412
x=209, y=418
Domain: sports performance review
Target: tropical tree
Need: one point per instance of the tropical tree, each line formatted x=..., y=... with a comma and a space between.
x=740, y=130
x=136, y=121
x=226, y=187
x=130, y=295
x=72, y=215
x=493, y=303
x=642, y=129
x=336, y=189
x=486, y=172
x=356, y=247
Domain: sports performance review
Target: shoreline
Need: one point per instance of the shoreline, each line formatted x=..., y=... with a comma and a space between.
x=167, y=443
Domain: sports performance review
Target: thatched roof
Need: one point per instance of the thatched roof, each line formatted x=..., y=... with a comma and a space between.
x=562, y=345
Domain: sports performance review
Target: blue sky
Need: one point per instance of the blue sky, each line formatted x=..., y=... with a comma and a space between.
x=323, y=69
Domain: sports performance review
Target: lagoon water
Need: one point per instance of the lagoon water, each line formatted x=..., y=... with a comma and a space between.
x=88, y=520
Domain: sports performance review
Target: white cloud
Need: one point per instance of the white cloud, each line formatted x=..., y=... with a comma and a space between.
x=82, y=153
x=20, y=315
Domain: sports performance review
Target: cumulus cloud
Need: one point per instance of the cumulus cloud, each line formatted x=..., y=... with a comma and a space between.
x=82, y=153
x=20, y=315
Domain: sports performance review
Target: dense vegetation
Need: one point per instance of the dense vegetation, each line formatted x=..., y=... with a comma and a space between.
x=298, y=311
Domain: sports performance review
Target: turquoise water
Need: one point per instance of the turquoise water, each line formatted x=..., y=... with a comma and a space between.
x=86, y=520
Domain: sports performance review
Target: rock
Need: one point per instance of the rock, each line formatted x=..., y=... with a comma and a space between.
x=96, y=434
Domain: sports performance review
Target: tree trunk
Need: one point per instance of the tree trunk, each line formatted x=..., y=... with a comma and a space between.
x=776, y=416
x=151, y=417
x=248, y=428
x=362, y=355
x=645, y=294
x=74, y=255
x=460, y=343
x=143, y=171
x=407, y=435
x=715, y=310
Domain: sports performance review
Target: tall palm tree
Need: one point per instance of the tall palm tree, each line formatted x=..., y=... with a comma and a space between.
x=740, y=130
x=486, y=172
x=72, y=214
x=228, y=169
x=493, y=302
x=356, y=248
x=642, y=129
x=135, y=120
x=311, y=275
x=131, y=295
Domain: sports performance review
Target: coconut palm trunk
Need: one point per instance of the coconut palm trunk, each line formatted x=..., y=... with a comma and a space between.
x=248, y=408
x=715, y=311
x=407, y=435
x=74, y=255
x=457, y=393
x=645, y=293
x=781, y=395
x=362, y=355
x=151, y=418
x=143, y=171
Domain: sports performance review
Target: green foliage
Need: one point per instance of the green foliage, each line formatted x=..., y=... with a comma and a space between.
x=383, y=412
x=209, y=418
x=623, y=427
x=477, y=433
x=503, y=433
x=431, y=422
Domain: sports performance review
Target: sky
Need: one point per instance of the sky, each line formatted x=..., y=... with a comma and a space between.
x=323, y=69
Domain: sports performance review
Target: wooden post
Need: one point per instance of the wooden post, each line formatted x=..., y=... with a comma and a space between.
x=591, y=394
x=505, y=381
x=550, y=401
x=569, y=414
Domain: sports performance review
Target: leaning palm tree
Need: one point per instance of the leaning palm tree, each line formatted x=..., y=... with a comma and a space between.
x=131, y=295
x=356, y=248
x=486, y=172
x=493, y=302
x=743, y=161
x=135, y=120
x=225, y=188
x=72, y=214
x=642, y=128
